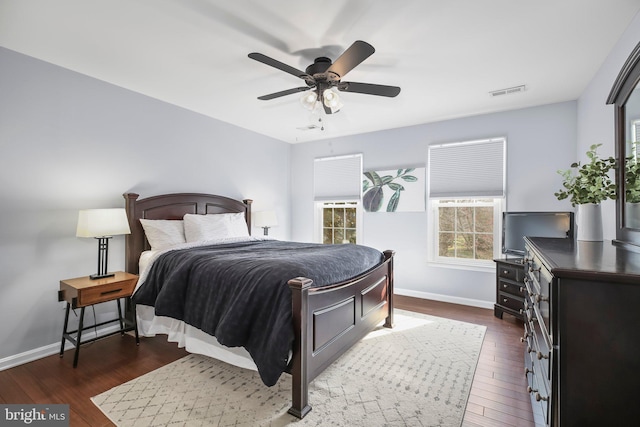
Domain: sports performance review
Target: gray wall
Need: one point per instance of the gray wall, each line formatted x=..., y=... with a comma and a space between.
x=540, y=141
x=70, y=142
x=596, y=119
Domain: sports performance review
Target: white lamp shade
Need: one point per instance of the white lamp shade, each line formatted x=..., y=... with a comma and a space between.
x=265, y=219
x=102, y=223
x=332, y=100
x=308, y=99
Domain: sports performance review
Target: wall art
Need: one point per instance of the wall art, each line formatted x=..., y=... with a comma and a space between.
x=394, y=190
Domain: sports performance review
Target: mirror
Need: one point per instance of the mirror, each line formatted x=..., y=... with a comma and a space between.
x=631, y=195
x=625, y=95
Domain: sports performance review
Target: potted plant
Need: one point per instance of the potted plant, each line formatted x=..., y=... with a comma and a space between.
x=587, y=185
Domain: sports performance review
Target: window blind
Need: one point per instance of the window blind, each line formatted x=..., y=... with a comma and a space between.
x=337, y=178
x=467, y=169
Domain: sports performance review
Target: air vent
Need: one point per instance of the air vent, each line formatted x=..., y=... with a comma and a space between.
x=507, y=91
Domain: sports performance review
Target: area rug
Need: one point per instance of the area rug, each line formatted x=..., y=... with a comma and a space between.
x=416, y=374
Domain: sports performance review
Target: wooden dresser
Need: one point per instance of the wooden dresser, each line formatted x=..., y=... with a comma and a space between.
x=582, y=332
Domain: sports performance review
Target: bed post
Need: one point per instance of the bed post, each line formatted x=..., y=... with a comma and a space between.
x=130, y=258
x=299, y=374
x=388, y=257
x=247, y=213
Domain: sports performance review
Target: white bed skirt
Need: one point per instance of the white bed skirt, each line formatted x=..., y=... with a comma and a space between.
x=192, y=339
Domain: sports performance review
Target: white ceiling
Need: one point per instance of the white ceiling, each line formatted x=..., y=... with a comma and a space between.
x=446, y=55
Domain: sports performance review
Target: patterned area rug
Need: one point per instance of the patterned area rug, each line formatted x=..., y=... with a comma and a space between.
x=417, y=374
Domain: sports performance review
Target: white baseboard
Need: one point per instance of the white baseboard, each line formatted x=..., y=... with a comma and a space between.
x=47, y=350
x=444, y=298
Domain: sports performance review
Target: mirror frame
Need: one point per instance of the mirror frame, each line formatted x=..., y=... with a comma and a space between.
x=624, y=85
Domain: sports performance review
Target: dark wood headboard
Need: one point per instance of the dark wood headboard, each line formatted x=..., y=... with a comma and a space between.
x=171, y=206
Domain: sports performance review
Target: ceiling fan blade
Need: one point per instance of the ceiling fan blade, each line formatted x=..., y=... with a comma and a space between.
x=354, y=55
x=283, y=93
x=369, y=89
x=279, y=65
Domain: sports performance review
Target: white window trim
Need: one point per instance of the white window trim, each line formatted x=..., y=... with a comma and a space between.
x=317, y=218
x=463, y=263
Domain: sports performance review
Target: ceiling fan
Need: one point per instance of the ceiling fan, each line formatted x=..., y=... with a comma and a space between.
x=323, y=76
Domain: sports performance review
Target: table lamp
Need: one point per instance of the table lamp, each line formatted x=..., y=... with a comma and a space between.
x=265, y=219
x=102, y=224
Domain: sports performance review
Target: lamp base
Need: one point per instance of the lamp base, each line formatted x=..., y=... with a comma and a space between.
x=101, y=276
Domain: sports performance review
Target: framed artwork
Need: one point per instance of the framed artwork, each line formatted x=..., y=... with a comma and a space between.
x=394, y=190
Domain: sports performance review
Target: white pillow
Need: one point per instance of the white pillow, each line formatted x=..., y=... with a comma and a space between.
x=201, y=228
x=238, y=224
x=163, y=233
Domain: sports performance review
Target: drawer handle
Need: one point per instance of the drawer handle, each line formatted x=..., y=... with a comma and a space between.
x=533, y=270
x=505, y=286
x=505, y=272
x=530, y=317
x=542, y=356
x=531, y=390
x=113, y=291
x=541, y=298
x=539, y=397
x=527, y=371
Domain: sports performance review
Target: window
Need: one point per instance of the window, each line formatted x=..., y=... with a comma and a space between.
x=339, y=222
x=466, y=195
x=337, y=183
x=466, y=230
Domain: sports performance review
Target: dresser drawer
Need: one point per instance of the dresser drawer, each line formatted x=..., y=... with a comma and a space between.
x=539, y=391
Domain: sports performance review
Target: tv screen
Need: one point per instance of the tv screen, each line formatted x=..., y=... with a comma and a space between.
x=516, y=225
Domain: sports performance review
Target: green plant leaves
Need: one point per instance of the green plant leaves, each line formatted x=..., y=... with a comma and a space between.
x=372, y=199
x=393, y=201
x=373, y=186
x=588, y=183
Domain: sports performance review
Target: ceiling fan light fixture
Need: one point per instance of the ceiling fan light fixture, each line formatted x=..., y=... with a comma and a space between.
x=332, y=100
x=308, y=99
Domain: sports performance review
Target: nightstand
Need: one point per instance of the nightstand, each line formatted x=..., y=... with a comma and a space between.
x=83, y=292
x=510, y=289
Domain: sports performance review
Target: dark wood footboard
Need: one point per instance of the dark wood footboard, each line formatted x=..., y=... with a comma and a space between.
x=329, y=320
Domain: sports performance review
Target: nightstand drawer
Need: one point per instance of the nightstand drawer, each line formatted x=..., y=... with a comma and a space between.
x=511, y=288
x=511, y=301
x=104, y=293
x=511, y=272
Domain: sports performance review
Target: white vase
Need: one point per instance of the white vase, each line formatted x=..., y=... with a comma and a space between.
x=589, y=222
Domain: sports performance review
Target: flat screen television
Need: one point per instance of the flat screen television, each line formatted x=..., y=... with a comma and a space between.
x=516, y=225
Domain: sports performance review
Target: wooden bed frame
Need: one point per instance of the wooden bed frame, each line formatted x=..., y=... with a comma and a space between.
x=327, y=321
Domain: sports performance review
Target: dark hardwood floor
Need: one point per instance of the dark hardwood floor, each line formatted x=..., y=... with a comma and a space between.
x=498, y=395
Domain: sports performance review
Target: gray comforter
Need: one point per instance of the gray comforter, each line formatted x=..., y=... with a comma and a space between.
x=238, y=292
